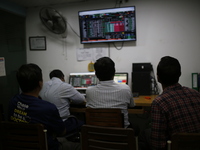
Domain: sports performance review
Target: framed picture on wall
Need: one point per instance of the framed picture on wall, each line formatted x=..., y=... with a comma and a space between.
x=37, y=43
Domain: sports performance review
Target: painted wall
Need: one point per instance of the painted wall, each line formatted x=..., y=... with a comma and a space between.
x=163, y=28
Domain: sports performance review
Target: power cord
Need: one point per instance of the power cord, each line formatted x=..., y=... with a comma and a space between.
x=73, y=30
x=120, y=47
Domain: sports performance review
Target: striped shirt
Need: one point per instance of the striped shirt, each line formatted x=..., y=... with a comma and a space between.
x=177, y=109
x=108, y=94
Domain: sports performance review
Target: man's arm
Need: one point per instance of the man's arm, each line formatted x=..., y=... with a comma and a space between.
x=56, y=123
x=70, y=93
x=132, y=103
x=78, y=98
x=159, y=128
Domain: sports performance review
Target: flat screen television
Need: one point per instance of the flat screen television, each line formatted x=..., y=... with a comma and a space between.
x=107, y=25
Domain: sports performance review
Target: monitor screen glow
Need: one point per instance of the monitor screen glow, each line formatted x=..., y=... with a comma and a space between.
x=121, y=78
x=107, y=25
x=82, y=80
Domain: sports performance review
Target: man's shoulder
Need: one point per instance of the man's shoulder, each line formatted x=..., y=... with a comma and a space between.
x=45, y=107
x=65, y=84
x=122, y=86
x=40, y=103
x=161, y=99
x=46, y=103
x=32, y=101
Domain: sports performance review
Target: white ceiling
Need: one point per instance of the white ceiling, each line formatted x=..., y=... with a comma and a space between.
x=35, y=3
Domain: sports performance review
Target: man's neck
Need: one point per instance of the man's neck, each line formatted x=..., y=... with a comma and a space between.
x=34, y=93
x=165, y=86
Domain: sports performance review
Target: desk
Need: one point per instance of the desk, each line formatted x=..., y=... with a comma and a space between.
x=143, y=101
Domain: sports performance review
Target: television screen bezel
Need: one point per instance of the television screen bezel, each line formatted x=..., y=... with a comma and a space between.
x=104, y=9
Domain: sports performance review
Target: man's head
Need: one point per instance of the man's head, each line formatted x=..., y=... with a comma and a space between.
x=57, y=73
x=168, y=71
x=29, y=77
x=104, y=69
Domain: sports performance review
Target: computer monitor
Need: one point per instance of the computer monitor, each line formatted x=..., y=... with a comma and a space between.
x=121, y=77
x=81, y=81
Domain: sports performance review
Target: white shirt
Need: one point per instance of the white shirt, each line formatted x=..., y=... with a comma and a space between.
x=108, y=94
x=61, y=94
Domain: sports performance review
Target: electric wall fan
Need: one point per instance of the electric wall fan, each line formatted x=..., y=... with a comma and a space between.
x=53, y=20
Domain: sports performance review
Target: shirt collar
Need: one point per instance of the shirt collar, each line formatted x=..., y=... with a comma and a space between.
x=173, y=87
x=106, y=82
x=55, y=78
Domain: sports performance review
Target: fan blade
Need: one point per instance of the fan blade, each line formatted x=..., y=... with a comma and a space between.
x=48, y=13
x=58, y=27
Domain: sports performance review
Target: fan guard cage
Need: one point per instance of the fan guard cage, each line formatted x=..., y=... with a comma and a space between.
x=53, y=20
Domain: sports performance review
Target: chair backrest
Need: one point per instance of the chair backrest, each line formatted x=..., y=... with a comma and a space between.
x=185, y=141
x=22, y=136
x=106, y=117
x=106, y=138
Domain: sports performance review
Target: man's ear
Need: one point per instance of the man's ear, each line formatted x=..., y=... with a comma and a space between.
x=158, y=79
x=40, y=84
x=62, y=79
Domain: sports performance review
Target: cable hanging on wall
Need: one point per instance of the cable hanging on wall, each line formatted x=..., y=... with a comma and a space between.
x=120, y=47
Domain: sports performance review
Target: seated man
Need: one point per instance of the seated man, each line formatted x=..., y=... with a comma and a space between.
x=107, y=93
x=28, y=108
x=60, y=93
x=177, y=109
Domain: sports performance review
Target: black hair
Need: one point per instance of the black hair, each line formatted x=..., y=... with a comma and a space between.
x=28, y=77
x=104, y=68
x=168, y=70
x=56, y=73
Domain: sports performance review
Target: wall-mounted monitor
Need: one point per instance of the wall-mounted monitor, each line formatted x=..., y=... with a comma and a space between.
x=107, y=25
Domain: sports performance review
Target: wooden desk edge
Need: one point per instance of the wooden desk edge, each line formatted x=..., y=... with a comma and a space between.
x=139, y=101
x=136, y=111
x=130, y=111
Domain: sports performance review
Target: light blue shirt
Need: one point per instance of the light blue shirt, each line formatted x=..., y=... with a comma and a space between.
x=108, y=94
x=61, y=94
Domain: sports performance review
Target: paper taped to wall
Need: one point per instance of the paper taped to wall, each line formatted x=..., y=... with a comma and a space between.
x=91, y=54
x=2, y=67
